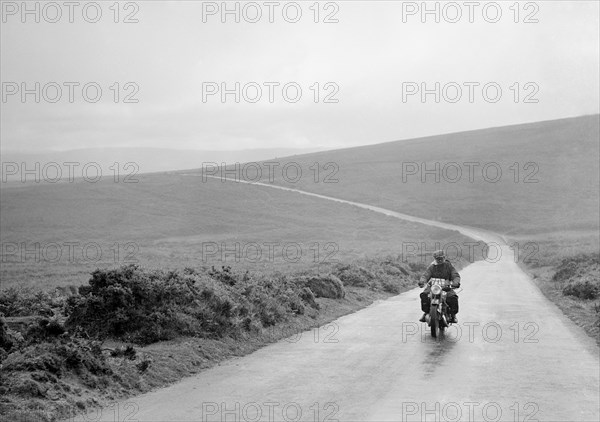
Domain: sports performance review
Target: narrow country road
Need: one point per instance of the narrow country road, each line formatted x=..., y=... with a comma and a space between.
x=513, y=357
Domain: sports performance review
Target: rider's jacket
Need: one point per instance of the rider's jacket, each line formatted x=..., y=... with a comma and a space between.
x=444, y=270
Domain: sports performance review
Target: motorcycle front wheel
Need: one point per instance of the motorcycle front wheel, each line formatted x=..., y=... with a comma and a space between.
x=434, y=322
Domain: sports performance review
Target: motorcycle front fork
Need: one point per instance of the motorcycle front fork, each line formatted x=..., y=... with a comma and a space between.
x=441, y=317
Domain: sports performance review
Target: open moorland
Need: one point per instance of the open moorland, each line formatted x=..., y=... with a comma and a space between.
x=112, y=289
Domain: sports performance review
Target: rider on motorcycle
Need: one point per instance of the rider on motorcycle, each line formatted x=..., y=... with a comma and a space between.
x=440, y=268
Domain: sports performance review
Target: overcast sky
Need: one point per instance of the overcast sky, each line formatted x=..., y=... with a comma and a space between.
x=366, y=57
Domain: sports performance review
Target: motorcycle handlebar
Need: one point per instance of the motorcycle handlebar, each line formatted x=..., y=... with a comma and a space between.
x=449, y=284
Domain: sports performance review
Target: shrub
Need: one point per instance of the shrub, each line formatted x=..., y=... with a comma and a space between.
x=328, y=286
x=43, y=330
x=144, y=364
x=59, y=358
x=307, y=295
x=129, y=303
x=580, y=275
x=223, y=275
x=576, y=266
x=128, y=352
x=24, y=301
x=6, y=342
x=389, y=275
x=583, y=289
x=391, y=287
x=143, y=307
x=354, y=275
x=393, y=267
x=566, y=271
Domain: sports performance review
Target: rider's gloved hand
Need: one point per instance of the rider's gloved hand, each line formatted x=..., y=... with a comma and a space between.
x=421, y=284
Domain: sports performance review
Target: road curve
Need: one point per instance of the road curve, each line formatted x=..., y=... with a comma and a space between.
x=513, y=357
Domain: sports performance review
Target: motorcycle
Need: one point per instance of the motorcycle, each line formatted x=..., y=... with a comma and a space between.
x=438, y=317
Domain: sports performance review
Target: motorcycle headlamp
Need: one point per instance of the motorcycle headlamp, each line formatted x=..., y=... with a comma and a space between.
x=436, y=289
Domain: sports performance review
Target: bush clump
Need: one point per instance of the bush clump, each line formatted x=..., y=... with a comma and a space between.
x=59, y=358
x=577, y=266
x=328, y=286
x=583, y=289
x=25, y=301
x=354, y=275
x=580, y=276
x=143, y=306
x=307, y=295
x=389, y=275
x=127, y=352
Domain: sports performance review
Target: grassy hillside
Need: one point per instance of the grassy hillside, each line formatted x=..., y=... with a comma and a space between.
x=165, y=221
x=555, y=189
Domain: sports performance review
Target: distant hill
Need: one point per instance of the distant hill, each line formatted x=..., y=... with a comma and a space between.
x=147, y=160
x=549, y=177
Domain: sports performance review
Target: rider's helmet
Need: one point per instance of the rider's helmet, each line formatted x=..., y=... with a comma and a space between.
x=439, y=256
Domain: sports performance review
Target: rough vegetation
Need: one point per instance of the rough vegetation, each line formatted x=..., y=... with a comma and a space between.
x=67, y=350
x=580, y=278
x=574, y=286
x=579, y=274
x=324, y=286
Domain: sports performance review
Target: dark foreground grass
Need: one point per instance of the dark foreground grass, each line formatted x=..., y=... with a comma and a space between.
x=131, y=330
